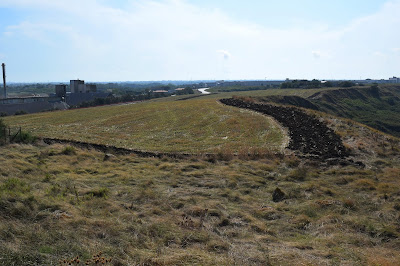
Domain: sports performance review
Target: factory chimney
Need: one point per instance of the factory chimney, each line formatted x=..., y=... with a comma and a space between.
x=4, y=80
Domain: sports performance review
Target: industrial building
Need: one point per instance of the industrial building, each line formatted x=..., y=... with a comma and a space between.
x=79, y=86
x=60, y=100
x=61, y=91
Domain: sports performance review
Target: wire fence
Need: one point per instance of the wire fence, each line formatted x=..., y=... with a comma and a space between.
x=9, y=134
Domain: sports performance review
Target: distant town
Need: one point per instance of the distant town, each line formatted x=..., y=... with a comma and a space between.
x=22, y=98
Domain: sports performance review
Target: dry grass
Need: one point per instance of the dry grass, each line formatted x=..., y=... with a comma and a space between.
x=63, y=203
x=56, y=205
x=182, y=126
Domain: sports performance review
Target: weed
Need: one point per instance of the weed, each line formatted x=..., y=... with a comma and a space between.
x=349, y=204
x=20, y=112
x=98, y=193
x=68, y=150
x=14, y=186
x=25, y=137
x=2, y=132
x=299, y=174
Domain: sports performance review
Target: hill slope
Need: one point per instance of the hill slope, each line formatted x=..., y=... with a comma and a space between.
x=60, y=204
x=378, y=107
x=198, y=125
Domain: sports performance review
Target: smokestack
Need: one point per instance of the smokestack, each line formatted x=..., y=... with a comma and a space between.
x=4, y=80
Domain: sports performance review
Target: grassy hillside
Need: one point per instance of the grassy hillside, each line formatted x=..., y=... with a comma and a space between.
x=198, y=125
x=377, y=107
x=269, y=92
x=59, y=202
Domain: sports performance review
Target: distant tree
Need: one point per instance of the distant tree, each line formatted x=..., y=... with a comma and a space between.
x=346, y=84
x=189, y=90
x=127, y=98
x=375, y=91
x=21, y=112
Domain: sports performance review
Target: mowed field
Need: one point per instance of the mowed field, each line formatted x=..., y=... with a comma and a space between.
x=194, y=126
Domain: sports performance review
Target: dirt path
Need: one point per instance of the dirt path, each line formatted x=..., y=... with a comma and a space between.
x=307, y=134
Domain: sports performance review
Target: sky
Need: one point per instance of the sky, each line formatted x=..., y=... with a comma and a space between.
x=144, y=40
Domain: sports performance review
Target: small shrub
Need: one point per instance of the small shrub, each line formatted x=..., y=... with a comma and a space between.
x=349, y=204
x=69, y=150
x=20, y=112
x=224, y=222
x=25, y=137
x=2, y=132
x=225, y=154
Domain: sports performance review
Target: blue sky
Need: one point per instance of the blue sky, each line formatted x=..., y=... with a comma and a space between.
x=132, y=40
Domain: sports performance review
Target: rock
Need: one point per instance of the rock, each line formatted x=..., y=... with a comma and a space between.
x=278, y=195
x=108, y=156
x=224, y=222
x=58, y=214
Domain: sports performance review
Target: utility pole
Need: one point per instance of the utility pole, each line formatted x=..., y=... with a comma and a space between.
x=4, y=80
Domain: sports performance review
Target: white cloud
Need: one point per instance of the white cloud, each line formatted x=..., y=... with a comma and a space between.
x=379, y=54
x=316, y=54
x=226, y=55
x=172, y=39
